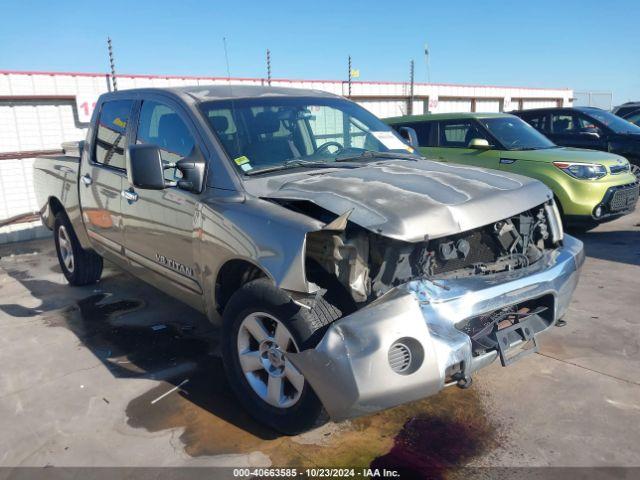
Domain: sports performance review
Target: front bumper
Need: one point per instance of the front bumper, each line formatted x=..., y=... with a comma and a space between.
x=350, y=371
x=617, y=201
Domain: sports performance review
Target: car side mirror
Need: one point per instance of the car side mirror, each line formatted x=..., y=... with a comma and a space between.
x=592, y=132
x=479, y=144
x=192, y=168
x=145, y=168
x=410, y=135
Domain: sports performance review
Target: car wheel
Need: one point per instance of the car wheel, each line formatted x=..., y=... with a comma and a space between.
x=79, y=266
x=261, y=325
x=635, y=169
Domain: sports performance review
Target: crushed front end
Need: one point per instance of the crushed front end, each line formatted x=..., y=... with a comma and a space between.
x=477, y=296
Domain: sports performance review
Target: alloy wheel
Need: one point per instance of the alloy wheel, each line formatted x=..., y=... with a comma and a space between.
x=263, y=343
x=66, y=250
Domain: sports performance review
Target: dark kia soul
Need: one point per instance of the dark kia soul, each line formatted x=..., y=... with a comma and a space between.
x=588, y=127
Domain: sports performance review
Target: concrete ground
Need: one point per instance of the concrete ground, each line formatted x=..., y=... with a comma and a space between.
x=121, y=375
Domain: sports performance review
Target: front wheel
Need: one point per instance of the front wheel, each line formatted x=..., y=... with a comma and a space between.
x=261, y=325
x=79, y=266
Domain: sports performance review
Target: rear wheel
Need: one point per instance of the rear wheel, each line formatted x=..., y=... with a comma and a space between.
x=261, y=326
x=79, y=266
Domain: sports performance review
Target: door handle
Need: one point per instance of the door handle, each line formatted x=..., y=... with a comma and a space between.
x=129, y=195
x=86, y=179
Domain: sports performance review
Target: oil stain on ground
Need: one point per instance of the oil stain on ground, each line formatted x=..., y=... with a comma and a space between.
x=424, y=439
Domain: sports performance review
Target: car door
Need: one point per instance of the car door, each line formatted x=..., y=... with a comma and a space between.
x=102, y=173
x=452, y=144
x=160, y=226
x=594, y=131
x=567, y=130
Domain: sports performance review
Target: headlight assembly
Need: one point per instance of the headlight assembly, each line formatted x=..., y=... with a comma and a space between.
x=555, y=221
x=582, y=171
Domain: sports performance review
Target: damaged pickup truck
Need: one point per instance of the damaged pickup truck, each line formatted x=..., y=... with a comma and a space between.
x=348, y=274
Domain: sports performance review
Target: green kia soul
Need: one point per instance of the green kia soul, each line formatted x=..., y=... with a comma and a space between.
x=590, y=186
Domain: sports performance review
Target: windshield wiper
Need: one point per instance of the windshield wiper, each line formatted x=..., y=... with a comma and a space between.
x=293, y=163
x=370, y=154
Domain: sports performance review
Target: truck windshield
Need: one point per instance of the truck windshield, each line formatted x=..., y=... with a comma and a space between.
x=515, y=134
x=272, y=133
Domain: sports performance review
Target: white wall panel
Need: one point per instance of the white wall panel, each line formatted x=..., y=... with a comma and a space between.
x=45, y=124
x=385, y=108
x=447, y=105
x=527, y=104
x=487, y=106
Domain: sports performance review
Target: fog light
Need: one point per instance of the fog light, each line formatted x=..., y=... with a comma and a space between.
x=405, y=356
x=598, y=211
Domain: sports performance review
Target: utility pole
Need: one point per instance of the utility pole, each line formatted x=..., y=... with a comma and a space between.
x=426, y=63
x=114, y=80
x=411, y=78
x=268, y=67
x=349, y=77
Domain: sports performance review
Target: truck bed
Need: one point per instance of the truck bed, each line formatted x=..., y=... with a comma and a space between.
x=56, y=176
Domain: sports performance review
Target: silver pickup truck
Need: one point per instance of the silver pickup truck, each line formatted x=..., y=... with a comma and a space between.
x=346, y=272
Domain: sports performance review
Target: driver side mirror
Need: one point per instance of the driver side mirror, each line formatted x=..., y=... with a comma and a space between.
x=479, y=144
x=591, y=131
x=410, y=135
x=145, y=168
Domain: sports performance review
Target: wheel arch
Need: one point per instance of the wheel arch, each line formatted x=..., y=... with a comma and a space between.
x=232, y=275
x=53, y=207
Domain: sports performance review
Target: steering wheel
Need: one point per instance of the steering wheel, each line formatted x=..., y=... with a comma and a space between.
x=322, y=148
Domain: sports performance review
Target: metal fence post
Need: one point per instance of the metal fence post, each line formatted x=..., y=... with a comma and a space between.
x=411, y=79
x=114, y=80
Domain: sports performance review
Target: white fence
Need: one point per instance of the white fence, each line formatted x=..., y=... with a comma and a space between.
x=40, y=110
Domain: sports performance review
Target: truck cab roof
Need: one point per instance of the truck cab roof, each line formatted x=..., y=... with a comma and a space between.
x=204, y=93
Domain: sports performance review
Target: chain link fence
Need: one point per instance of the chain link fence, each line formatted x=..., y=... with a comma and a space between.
x=598, y=99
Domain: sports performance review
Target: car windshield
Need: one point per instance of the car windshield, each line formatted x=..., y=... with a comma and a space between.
x=634, y=118
x=273, y=133
x=515, y=134
x=615, y=123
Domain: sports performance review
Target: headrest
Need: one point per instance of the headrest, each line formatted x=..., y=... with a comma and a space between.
x=267, y=122
x=172, y=130
x=220, y=123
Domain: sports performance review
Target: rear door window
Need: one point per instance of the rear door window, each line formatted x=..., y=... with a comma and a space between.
x=458, y=133
x=111, y=137
x=564, y=123
x=538, y=121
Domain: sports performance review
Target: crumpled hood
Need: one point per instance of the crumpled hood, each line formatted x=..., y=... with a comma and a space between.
x=407, y=200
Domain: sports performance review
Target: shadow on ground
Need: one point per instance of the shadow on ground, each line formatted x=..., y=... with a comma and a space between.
x=139, y=332
x=622, y=246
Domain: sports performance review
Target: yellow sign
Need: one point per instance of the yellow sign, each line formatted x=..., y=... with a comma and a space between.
x=355, y=73
x=119, y=122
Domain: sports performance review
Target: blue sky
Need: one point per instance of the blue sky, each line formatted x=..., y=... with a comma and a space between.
x=584, y=45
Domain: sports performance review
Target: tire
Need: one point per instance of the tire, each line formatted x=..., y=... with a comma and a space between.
x=79, y=266
x=252, y=324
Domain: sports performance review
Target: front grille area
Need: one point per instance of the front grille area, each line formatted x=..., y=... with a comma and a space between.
x=482, y=328
x=624, y=198
x=618, y=169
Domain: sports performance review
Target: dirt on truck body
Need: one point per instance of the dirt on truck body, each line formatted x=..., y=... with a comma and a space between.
x=348, y=273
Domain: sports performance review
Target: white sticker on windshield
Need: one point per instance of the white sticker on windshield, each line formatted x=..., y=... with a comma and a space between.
x=389, y=140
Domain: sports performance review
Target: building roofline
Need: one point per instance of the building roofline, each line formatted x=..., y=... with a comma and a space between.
x=289, y=80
